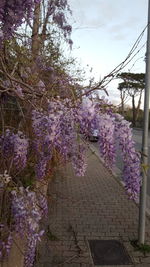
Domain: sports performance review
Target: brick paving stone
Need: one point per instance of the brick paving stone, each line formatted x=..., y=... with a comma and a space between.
x=71, y=265
x=145, y=260
x=143, y=265
x=83, y=208
x=38, y=264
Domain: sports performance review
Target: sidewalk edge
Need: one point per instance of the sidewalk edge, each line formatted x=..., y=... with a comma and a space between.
x=116, y=174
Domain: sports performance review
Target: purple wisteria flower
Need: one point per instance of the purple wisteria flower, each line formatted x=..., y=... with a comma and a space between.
x=57, y=129
x=107, y=139
x=27, y=211
x=14, y=147
x=31, y=248
x=7, y=144
x=59, y=18
x=6, y=241
x=42, y=200
x=79, y=160
x=40, y=167
x=41, y=86
x=20, y=150
x=12, y=14
x=131, y=158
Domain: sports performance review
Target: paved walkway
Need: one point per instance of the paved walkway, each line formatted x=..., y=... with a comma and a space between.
x=86, y=208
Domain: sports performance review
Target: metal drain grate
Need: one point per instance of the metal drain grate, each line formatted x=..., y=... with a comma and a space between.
x=109, y=252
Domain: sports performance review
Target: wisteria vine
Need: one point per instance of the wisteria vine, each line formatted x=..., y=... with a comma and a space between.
x=131, y=158
x=52, y=127
x=12, y=13
x=57, y=129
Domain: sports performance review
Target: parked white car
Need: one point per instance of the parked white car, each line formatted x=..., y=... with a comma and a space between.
x=94, y=135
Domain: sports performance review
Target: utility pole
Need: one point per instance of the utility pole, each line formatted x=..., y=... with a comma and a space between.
x=143, y=191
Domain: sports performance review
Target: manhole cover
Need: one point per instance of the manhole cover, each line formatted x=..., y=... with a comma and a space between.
x=109, y=252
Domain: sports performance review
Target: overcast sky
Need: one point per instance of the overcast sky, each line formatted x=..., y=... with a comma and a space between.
x=104, y=32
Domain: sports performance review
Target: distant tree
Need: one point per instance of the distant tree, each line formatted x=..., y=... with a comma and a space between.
x=132, y=86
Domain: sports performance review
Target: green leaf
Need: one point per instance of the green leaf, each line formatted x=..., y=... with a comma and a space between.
x=50, y=235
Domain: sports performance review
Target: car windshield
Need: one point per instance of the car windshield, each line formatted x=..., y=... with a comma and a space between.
x=95, y=132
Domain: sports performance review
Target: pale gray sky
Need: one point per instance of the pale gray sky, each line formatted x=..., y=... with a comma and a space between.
x=104, y=32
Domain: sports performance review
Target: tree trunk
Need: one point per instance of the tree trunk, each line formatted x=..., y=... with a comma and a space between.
x=133, y=112
x=122, y=96
x=35, y=32
x=138, y=106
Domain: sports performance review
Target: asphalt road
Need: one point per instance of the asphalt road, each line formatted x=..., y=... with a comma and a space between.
x=137, y=136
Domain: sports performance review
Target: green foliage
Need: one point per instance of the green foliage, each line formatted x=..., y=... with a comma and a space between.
x=128, y=115
x=18, y=55
x=144, y=248
x=28, y=178
x=132, y=82
x=132, y=86
x=50, y=235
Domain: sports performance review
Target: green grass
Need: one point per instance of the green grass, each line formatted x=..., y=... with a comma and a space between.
x=144, y=248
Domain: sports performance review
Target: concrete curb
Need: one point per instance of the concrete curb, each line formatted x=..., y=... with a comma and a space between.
x=117, y=174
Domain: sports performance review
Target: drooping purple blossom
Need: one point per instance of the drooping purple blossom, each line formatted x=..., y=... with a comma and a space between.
x=107, y=139
x=20, y=150
x=85, y=116
x=67, y=28
x=14, y=147
x=57, y=128
x=5, y=244
x=19, y=91
x=27, y=215
x=43, y=204
x=61, y=3
x=7, y=144
x=131, y=158
x=79, y=160
x=31, y=248
x=8, y=244
x=12, y=14
x=40, y=167
x=59, y=18
x=41, y=86
x=57, y=8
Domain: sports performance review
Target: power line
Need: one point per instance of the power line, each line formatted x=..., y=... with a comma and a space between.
x=112, y=75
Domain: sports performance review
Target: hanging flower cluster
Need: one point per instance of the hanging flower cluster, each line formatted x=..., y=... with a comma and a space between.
x=131, y=158
x=63, y=135
x=107, y=139
x=27, y=213
x=79, y=160
x=57, y=9
x=12, y=13
x=5, y=243
x=55, y=129
x=14, y=148
x=58, y=128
